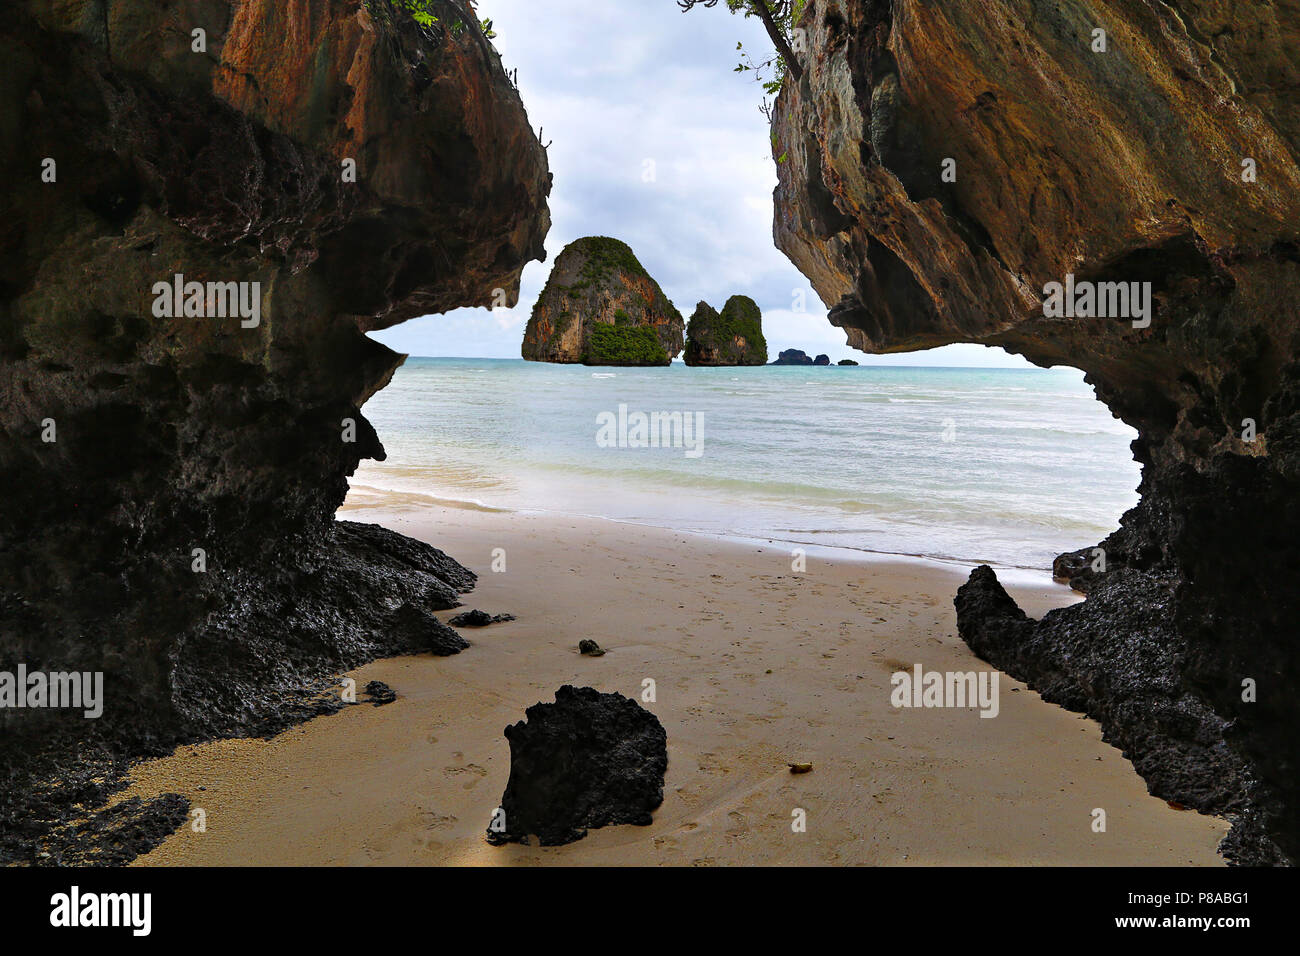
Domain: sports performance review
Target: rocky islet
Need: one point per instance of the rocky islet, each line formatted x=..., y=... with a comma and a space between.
x=601, y=307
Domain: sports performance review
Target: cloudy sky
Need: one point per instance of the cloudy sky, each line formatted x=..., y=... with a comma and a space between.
x=655, y=140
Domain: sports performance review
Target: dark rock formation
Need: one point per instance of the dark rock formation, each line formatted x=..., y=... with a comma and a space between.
x=422, y=632
x=822, y=360
x=477, y=618
x=168, y=484
x=733, y=338
x=793, y=357
x=263, y=660
x=944, y=164
x=590, y=648
x=1076, y=568
x=847, y=362
x=115, y=836
x=587, y=760
x=1122, y=669
x=601, y=307
x=380, y=693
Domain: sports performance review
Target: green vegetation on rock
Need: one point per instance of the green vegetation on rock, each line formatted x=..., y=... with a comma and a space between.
x=422, y=12
x=603, y=258
x=734, y=337
x=741, y=318
x=605, y=255
x=597, y=295
x=623, y=345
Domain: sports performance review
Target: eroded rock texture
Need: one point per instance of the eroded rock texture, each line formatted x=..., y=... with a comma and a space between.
x=1125, y=165
x=601, y=307
x=587, y=760
x=175, y=435
x=732, y=337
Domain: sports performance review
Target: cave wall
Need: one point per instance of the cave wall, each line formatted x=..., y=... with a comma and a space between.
x=1123, y=165
x=171, y=434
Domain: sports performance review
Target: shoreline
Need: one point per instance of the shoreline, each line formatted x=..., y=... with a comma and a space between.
x=754, y=667
x=415, y=501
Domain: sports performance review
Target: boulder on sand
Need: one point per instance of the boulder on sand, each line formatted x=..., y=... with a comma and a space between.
x=587, y=760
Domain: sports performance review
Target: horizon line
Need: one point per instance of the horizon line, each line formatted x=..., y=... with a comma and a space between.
x=833, y=364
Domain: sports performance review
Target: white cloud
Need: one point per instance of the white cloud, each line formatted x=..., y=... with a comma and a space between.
x=612, y=86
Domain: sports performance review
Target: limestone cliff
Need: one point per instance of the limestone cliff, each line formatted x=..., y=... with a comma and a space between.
x=170, y=465
x=601, y=307
x=734, y=337
x=940, y=166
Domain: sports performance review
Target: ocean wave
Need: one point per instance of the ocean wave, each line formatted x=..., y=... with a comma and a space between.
x=857, y=462
x=395, y=497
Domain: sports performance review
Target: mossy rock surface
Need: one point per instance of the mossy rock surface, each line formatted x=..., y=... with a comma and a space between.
x=601, y=307
x=617, y=345
x=732, y=337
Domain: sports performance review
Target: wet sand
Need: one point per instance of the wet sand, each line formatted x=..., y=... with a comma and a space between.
x=754, y=667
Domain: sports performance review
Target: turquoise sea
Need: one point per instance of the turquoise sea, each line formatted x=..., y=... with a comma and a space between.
x=1009, y=467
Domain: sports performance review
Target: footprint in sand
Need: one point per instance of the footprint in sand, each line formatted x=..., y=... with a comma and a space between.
x=710, y=767
x=471, y=768
x=740, y=825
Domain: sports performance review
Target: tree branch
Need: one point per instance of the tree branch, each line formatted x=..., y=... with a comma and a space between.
x=761, y=10
x=778, y=36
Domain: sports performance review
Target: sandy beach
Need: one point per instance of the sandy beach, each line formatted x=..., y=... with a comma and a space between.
x=755, y=666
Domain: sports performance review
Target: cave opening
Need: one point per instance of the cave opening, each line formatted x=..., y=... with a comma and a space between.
x=1005, y=464
x=235, y=446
